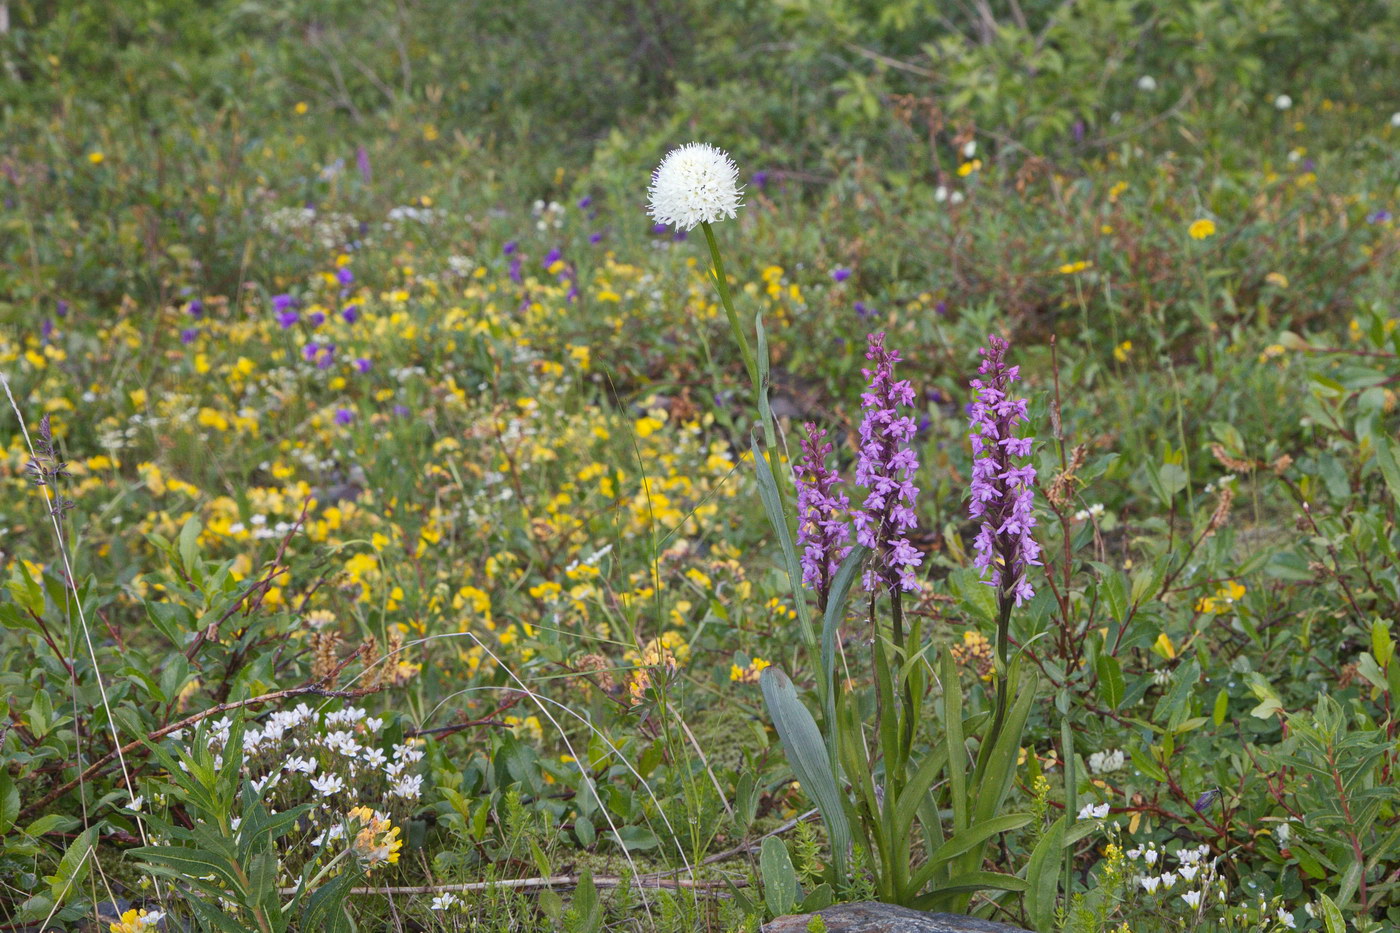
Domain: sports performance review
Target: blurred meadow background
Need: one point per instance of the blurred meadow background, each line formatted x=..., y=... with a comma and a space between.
x=379, y=524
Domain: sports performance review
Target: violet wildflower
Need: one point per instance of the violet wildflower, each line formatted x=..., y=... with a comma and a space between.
x=350, y=313
x=1002, y=491
x=363, y=364
x=510, y=247
x=283, y=302
x=344, y=275
x=61, y=308
x=287, y=318
x=585, y=202
x=821, y=514
x=595, y=237
x=316, y=319
x=550, y=258
x=759, y=179
x=195, y=308
x=886, y=466
x=344, y=416
x=515, y=275
x=401, y=411
x=362, y=161
x=841, y=274
x=189, y=335
x=863, y=310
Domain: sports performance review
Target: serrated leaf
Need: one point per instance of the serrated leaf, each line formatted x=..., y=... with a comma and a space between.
x=73, y=867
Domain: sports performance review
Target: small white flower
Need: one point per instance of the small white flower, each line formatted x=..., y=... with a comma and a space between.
x=1150, y=883
x=1192, y=899
x=410, y=787
x=970, y=149
x=136, y=803
x=1283, y=102
x=1283, y=833
x=1168, y=879
x=1395, y=119
x=1285, y=918
x=1310, y=910
x=1150, y=856
x=694, y=184
x=375, y=758
x=956, y=197
x=1092, y=812
x=1147, y=83
x=374, y=725
x=1188, y=871
x=328, y=784
x=444, y=901
x=940, y=194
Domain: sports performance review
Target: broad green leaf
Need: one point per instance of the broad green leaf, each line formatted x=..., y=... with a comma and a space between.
x=1332, y=915
x=73, y=867
x=780, y=889
x=1111, y=685
x=9, y=802
x=1382, y=644
x=957, y=743
x=1386, y=459
x=807, y=755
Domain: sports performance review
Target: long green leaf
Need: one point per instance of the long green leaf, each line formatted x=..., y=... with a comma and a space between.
x=964, y=841
x=957, y=744
x=807, y=755
x=836, y=607
x=913, y=793
x=1000, y=766
x=773, y=506
x=193, y=862
x=1042, y=876
x=969, y=883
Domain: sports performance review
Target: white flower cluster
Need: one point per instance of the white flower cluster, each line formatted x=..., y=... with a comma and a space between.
x=330, y=230
x=695, y=184
x=1093, y=511
x=1196, y=876
x=306, y=756
x=1108, y=761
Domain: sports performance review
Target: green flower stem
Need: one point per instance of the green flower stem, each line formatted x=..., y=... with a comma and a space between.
x=722, y=283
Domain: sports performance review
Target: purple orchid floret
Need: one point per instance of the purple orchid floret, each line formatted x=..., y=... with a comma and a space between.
x=886, y=467
x=1002, y=491
x=822, y=531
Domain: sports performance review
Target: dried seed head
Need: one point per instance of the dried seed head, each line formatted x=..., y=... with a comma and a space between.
x=1232, y=463
x=1222, y=510
x=325, y=660
x=1062, y=486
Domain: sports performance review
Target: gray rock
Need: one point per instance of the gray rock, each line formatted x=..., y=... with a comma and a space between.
x=874, y=917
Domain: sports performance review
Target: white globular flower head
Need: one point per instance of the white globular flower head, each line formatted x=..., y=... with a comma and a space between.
x=694, y=184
